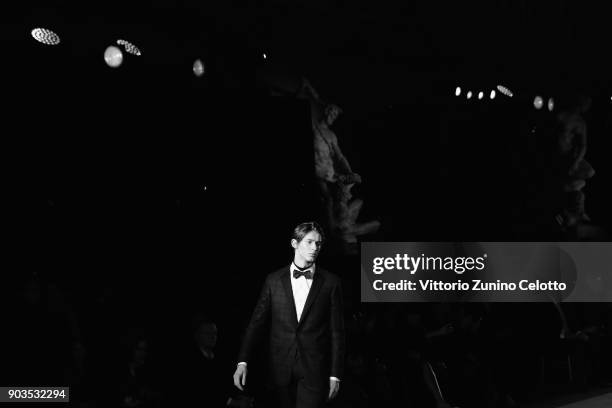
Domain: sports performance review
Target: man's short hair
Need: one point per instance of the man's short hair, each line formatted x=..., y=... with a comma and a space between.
x=304, y=228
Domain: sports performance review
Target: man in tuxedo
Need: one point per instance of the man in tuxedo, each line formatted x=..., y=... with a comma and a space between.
x=300, y=312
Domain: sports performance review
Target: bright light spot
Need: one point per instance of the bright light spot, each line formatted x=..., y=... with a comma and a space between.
x=492, y=95
x=538, y=102
x=198, y=68
x=458, y=91
x=113, y=56
x=45, y=36
x=469, y=94
x=551, y=104
x=265, y=56
x=505, y=91
x=129, y=47
x=480, y=95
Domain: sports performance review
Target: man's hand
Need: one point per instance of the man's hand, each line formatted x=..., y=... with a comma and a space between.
x=334, y=387
x=240, y=376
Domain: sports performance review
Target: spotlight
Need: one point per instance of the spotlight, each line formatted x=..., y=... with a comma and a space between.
x=45, y=36
x=480, y=95
x=129, y=47
x=538, y=102
x=551, y=104
x=198, y=68
x=492, y=95
x=469, y=95
x=265, y=56
x=458, y=91
x=505, y=91
x=113, y=56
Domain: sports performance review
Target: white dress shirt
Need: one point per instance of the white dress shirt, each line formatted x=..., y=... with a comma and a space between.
x=301, y=287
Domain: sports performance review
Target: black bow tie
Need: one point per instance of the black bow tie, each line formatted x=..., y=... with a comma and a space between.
x=307, y=274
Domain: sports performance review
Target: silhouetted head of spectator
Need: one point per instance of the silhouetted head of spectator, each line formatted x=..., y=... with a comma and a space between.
x=204, y=332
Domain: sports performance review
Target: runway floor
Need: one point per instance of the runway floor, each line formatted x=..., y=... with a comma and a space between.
x=600, y=401
x=596, y=398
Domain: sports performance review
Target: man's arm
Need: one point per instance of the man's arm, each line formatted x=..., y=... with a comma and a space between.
x=338, y=341
x=253, y=333
x=337, y=332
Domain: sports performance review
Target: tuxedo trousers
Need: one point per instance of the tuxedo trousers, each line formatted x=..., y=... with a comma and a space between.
x=299, y=394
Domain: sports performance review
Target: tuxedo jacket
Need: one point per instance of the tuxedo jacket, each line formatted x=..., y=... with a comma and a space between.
x=317, y=339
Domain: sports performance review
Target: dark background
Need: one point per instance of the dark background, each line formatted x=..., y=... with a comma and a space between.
x=109, y=165
x=105, y=168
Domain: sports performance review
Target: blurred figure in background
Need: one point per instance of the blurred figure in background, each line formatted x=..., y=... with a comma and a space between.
x=138, y=379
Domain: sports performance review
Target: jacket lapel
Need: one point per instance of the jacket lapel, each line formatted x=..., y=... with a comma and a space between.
x=286, y=281
x=317, y=283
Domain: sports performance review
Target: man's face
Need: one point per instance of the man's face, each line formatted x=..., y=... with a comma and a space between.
x=308, y=248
